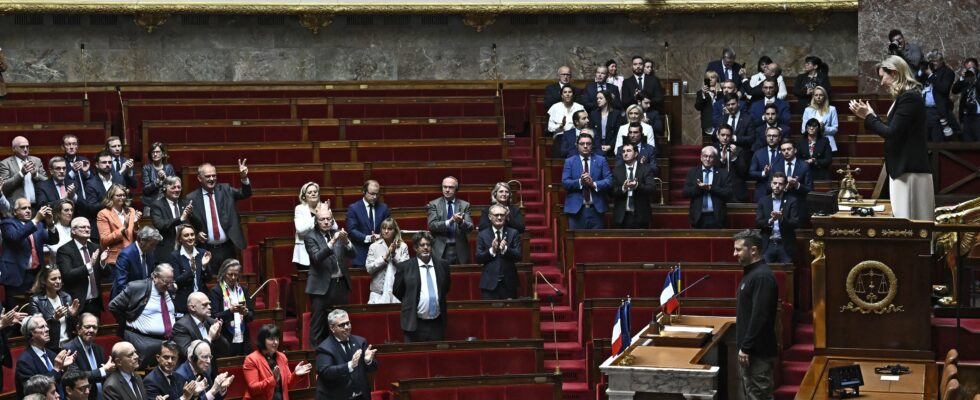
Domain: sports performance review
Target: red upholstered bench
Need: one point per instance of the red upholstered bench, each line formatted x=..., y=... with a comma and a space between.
x=49, y=134
x=222, y=131
x=660, y=245
x=43, y=111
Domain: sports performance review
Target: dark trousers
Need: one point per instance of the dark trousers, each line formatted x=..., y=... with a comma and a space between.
x=93, y=306
x=586, y=218
x=935, y=129
x=632, y=221
x=337, y=294
x=970, y=123
x=708, y=220
x=220, y=253
x=449, y=254
x=775, y=253
x=146, y=346
x=501, y=292
x=427, y=330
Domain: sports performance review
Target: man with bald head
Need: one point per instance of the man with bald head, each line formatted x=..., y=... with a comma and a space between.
x=213, y=204
x=21, y=171
x=552, y=92
x=124, y=384
x=198, y=324
x=24, y=237
x=328, y=284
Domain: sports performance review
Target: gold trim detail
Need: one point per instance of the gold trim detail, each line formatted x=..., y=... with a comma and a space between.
x=479, y=21
x=243, y=7
x=645, y=20
x=812, y=19
x=897, y=233
x=923, y=233
x=818, y=269
x=626, y=360
x=820, y=231
x=872, y=232
x=865, y=283
x=314, y=22
x=856, y=232
x=150, y=21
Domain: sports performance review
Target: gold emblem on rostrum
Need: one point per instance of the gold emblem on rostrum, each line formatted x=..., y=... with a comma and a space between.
x=871, y=286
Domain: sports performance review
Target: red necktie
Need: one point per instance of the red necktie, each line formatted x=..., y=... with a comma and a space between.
x=216, y=234
x=167, y=326
x=35, y=260
x=93, y=285
x=61, y=191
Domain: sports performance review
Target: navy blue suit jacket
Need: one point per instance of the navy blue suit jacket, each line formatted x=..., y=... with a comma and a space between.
x=760, y=159
x=46, y=192
x=359, y=226
x=782, y=111
x=570, y=179
x=184, y=278
x=588, y=98
x=29, y=364
x=130, y=176
x=15, y=260
x=500, y=265
x=647, y=151
x=718, y=67
x=801, y=170
x=760, y=133
x=334, y=379
x=156, y=385
x=569, y=148
x=95, y=192
x=185, y=373
x=81, y=361
x=130, y=268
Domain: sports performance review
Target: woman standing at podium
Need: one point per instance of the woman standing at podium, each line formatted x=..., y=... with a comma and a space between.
x=906, y=155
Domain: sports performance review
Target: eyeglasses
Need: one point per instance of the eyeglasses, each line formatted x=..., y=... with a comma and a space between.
x=343, y=324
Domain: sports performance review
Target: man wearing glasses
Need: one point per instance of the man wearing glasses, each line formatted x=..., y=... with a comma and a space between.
x=498, y=249
x=82, y=266
x=343, y=361
x=586, y=179
x=552, y=92
x=22, y=171
x=145, y=312
x=24, y=237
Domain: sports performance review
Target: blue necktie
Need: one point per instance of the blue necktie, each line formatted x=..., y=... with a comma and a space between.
x=47, y=362
x=431, y=286
x=772, y=156
x=452, y=225
x=94, y=364
x=706, y=200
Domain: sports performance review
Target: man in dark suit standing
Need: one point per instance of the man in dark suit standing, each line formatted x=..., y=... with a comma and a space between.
x=328, y=283
x=82, y=267
x=735, y=160
x=421, y=284
x=588, y=96
x=937, y=80
x=78, y=166
x=60, y=186
x=762, y=161
x=214, y=207
x=632, y=186
x=120, y=164
x=450, y=223
x=97, y=185
x=124, y=384
x=364, y=221
x=776, y=217
x=770, y=119
x=741, y=123
x=88, y=354
x=586, y=179
x=552, y=92
x=799, y=181
x=709, y=189
x=726, y=67
x=136, y=261
x=499, y=250
x=145, y=311
x=769, y=97
x=24, y=237
x=580, y=124
x=198, y=324
x=343, y=361
x=162, y=381
x=168, y=213
x=8, y=318
x=649, y=85
x=37, y=359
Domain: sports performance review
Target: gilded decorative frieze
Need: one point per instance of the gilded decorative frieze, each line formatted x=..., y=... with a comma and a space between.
x=897, y=233
x=314, y=22
x=150, y=21
x=479, y=21
x=856, y=232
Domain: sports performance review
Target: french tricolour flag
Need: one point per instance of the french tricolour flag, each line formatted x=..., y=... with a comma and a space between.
x=668, y=301
x=621, y=335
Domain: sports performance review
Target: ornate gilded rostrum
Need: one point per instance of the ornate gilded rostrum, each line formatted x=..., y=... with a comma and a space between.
x=150, y=21
x=871, y=287
x=855, y=232
x=897, y=233
x=967, y=212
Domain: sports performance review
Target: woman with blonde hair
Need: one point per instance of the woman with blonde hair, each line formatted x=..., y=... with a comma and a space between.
x=501, y=195
x=705, y=102
x=383, y=255
x=821, y=110
x=906, y=155
x=634, y=113
x=304, y=219
x=116, y=222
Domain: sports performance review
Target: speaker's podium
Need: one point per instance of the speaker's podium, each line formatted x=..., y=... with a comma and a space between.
x=872, y=280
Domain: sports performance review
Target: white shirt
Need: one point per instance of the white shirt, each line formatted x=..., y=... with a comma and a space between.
x=647, y=131
x=151, y=320
x=200, y=328
x=106, y=183
x=64, y=236
x=557, y=112
x=423, y=307
x=89, y=294
x=63, y=321
x=207, y=217
x=191, y=258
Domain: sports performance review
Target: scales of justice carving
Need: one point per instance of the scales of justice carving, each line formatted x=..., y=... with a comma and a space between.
x=871, y=288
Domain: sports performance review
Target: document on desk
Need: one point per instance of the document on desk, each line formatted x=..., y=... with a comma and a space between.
x=890, y=378
x=691, y=329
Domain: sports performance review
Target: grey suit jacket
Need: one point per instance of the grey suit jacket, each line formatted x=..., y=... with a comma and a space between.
x=116, y=388
x=322, y=257
x=440, y=232
x=14, y=187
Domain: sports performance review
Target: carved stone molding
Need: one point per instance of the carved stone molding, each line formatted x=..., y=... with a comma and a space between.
x=479, y=21
x=150, y=21
x=811, y=18
x=314, y=22
x=645, y=19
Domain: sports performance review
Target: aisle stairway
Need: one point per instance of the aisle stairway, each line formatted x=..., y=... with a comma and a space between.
x=558, y=319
